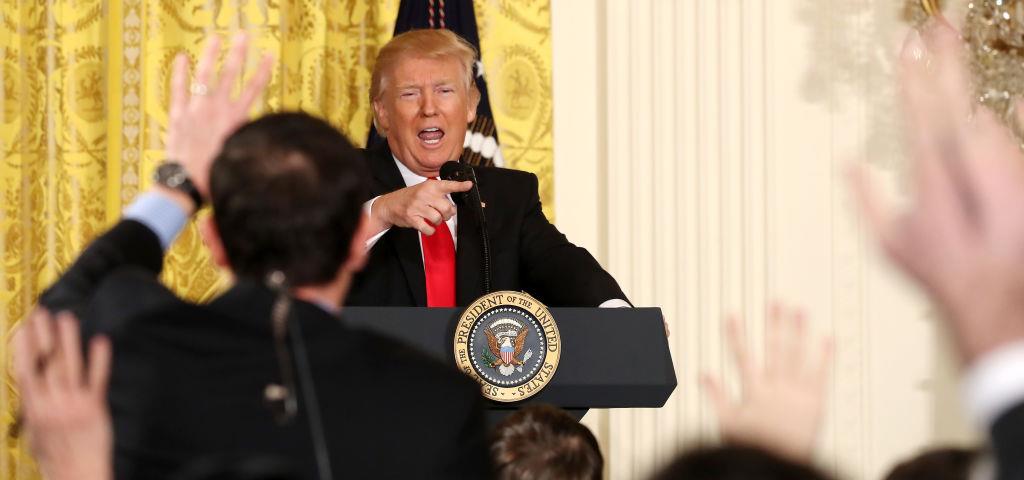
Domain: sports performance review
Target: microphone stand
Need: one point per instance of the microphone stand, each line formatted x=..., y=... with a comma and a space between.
x=484, y=238
x=457, y=171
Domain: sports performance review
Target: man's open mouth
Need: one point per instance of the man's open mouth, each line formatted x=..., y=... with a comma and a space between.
x=431, y=136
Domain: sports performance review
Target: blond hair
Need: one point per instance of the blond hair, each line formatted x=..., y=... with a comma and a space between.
x=422, y=43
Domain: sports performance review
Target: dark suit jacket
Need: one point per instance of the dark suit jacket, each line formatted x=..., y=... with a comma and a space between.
x=187, y=381
x=527, y=252
x=1008, y=442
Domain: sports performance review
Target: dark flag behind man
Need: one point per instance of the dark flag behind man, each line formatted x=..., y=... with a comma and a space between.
x=481, y=144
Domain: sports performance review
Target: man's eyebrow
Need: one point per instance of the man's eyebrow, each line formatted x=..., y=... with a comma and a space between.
x=416, y=86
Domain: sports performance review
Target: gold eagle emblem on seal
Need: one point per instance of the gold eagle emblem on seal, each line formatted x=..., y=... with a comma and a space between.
x=509, y=343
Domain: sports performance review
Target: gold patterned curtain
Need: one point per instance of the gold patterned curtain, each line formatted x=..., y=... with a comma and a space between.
x=84, y=95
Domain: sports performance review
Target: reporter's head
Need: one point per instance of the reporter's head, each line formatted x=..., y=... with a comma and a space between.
x=287, y=192
x=544, y=442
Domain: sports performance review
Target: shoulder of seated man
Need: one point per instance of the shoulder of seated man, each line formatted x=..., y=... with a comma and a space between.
x=125, y=294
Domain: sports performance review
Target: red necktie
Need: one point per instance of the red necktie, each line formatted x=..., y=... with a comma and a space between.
x=439, y=266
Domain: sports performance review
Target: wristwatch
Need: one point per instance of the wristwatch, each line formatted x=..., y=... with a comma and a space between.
x=172, y=174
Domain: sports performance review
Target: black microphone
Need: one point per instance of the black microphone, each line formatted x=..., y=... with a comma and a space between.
x=454, y=170
x=461, y=172
x=458, y=172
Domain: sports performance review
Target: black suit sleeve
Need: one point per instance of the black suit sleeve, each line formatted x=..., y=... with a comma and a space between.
x=1008, y=443
x=562, y=273
x=128, y=244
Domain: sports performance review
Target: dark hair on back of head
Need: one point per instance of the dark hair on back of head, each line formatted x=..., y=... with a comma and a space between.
x=287, y=192
x=736, y=463
x=936, y=464
x=543, y=442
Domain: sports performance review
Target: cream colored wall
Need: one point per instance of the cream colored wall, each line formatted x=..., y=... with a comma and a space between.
x=699, y=152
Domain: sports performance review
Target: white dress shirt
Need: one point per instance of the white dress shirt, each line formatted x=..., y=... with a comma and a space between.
x=995, y=384
x=412, y=179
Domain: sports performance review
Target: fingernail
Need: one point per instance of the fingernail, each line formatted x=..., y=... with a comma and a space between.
x=913, y=46
x=944, y=21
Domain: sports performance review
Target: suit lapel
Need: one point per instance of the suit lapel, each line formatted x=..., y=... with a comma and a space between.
x=382, y=164
x=405, y=241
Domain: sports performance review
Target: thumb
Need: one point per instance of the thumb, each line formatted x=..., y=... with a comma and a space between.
x=714, y=391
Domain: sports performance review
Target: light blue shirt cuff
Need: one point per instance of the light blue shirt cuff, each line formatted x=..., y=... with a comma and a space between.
x=160, y=214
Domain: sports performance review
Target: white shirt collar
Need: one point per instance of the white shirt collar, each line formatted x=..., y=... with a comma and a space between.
x=408, y=176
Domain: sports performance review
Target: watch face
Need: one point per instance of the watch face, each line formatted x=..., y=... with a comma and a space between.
x=170, y=175
x=176, y=179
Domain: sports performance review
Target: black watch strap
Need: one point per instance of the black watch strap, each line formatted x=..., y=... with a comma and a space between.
x=172, y=174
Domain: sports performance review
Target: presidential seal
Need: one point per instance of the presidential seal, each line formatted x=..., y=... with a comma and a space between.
x=509, y=343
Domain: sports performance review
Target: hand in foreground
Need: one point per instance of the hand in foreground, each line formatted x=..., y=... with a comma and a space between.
x=962, y=238
x=782, y=404
x=422, y=206
x=204, y=114
x=64, y=403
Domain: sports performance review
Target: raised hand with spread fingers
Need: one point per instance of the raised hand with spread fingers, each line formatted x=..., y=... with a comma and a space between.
x=962, y=236
x=781, y=404
x=202, y=114
x=63, y=402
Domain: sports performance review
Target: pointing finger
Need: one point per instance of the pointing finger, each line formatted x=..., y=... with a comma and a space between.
x=449, y=186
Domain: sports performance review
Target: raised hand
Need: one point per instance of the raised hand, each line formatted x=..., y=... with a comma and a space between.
x=63, y=402
x=782, y=404
x=203, y=113
x=422, y=206
x=962, y=236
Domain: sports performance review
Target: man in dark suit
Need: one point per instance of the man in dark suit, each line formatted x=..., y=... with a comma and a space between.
x=267, y=377
x=425, y=250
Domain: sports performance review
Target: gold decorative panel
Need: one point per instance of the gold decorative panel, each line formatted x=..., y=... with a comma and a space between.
x=516, y=44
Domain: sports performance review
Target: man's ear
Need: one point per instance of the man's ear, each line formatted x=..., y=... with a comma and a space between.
x=474, y=101
x=211, y=237
x=357, y=252
x=380, y=118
